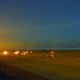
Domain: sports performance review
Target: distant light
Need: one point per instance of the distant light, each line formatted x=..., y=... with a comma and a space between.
x=16, y=52
x=5, y=52
x=52, y=52
x=30, y=51
x=25, y=53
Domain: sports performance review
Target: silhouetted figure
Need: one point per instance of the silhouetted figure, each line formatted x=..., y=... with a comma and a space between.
x=51, y=54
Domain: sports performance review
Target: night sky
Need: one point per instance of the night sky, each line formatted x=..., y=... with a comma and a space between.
x=39, y=24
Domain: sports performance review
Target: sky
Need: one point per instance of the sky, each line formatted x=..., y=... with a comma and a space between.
x=39, y=24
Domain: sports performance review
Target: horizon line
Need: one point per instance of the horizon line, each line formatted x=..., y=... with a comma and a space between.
x=42, y=49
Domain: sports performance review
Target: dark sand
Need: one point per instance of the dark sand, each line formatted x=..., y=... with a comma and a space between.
x=8, y=72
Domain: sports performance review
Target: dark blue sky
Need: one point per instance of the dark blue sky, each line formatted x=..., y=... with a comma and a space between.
x=40, y=24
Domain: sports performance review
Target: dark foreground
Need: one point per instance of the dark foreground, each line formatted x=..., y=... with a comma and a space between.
x=3, y=76
x=8, y=72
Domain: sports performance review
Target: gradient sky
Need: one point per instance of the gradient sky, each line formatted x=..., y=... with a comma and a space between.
x=39, y=24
